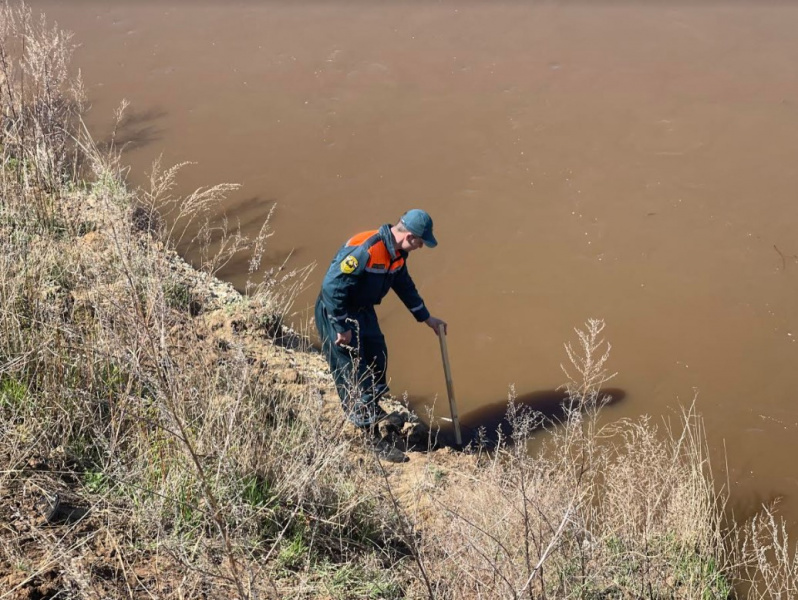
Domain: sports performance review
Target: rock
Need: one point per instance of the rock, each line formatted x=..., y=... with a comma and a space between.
x=288, y=376
x=38, y=463
x=416, y=434
x=55, y=510
x=392, y=424
x=92, y=240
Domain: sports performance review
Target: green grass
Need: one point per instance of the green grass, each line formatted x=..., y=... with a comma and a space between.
x=13, y=393
x=294, y=552
x=178, y=296
x=256, y=492
x=96, y=482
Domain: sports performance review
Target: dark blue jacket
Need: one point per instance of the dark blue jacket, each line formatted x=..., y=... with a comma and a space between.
x=362, y=272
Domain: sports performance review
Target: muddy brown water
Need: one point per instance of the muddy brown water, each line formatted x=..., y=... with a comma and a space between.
x=634, y=162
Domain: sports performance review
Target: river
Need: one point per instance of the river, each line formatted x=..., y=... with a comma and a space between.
x=628, y=161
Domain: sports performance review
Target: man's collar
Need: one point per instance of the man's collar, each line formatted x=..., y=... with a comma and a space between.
x=390, y=243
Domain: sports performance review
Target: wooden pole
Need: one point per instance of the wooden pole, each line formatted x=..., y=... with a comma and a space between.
x=447, y=371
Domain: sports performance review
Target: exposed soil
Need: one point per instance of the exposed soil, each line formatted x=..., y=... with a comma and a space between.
x=88, y=548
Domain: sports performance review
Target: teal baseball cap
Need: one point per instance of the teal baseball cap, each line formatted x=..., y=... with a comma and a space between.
x=419, y=223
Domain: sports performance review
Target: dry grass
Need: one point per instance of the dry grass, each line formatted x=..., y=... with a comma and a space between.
x=147, y=392
x=601, y=511
x=769, y=561
x=112, y=393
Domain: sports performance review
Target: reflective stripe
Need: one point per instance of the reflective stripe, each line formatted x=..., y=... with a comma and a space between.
x=372, y=270
x=417, y=308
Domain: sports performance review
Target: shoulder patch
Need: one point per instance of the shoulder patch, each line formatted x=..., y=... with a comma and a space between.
x=349, y=264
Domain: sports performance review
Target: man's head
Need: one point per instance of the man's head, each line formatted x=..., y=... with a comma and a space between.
x=414, y=230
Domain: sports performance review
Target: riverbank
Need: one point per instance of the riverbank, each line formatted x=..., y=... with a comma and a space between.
x=164, y=436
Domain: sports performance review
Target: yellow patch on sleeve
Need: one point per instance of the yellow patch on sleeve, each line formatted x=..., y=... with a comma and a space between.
x=349, y=264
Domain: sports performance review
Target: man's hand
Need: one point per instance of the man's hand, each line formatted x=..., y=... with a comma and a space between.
x=343, y=339
x=436, y=324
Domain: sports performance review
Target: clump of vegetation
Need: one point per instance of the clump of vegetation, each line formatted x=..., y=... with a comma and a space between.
x=618, y=510
x=115, y=392
x=132, y=386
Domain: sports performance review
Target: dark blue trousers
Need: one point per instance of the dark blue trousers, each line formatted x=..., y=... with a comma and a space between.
x=359, y=371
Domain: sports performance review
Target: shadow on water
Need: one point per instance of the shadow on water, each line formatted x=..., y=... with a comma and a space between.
x=489, y=423
x=135, y=130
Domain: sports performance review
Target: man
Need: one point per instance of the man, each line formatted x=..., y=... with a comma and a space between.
x=361, y=274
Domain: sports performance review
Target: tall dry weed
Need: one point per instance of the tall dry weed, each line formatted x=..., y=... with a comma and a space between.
x=40, y=102
x=598, y=511
x=769, y=561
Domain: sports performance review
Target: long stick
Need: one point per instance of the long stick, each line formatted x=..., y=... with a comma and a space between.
x=447, y=370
